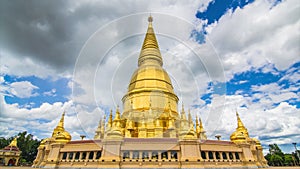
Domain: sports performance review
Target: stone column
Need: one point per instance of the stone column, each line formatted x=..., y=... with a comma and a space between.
x=169, y=155
x=94, y=156
x=150, y=154
x=227, y=155
x=73, y=156
x=140, y=154
x=80, y=156
x=214, y=155
x=159, y=155
x=67, y=158
x=87, y=155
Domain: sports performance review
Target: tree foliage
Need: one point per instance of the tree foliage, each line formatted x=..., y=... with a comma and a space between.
x=276, y=157
x=26, y=143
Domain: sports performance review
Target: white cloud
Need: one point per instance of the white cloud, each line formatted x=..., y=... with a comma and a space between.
x=277, y=124
x=52, y=93
x=273, y=92
x=257, y=35
x=42, y=120
x=249, y=38
x=2, y=79
x=23, y=89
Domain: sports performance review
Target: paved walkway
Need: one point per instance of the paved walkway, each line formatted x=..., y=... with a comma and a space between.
x=33, y=168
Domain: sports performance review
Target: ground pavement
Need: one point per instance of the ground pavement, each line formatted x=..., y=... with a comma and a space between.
x=33, y=168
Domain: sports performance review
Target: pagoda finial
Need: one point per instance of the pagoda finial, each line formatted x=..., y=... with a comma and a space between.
x=202, y=132
x=240, y=123
x=190, y=116
x=59, y=133
x=110, y=119
x=191, y=124
x=183, y=116
x=61, y=122
x=150, y=53
x=150, y=18
x=241, y=132
x=117, y=117
x=201, y=125
x=197, y=122
x=13, y=143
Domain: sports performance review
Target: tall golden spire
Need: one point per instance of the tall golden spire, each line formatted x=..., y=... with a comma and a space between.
x=190, y=117
x=201, y=125
x=202, y=132
x=239, y=121
x=150, y=81
x=118, y=116
x=59, y=132
x=62, y=120
x=150, y=53
x=60, y=126
x=241, y=132
x=197, y=125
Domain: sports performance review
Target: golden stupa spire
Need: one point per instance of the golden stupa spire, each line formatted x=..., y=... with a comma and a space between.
x=201, y=125
x=62, y=120
x=59, y=132
x=239, y=121
x=197, y=125
x=183, y=116
x=118, y=117
x=241, y=132
x=13, y=143
x=150, y=81
x=150, y=54
x=116, y=121
x=202, y=132
x=60, y=125
x=190, y=117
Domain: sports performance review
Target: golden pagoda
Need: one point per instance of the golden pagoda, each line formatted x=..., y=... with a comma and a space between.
x=150, y=132
x=10, y=155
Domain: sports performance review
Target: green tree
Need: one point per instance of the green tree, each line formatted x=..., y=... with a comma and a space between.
x=28, y=145
x=295, y=156
x=276, y=160
x=3, y=142
x=288, y=160
x=275, y=157
x=274, y=149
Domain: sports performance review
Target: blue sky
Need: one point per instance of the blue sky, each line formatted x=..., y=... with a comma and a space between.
x=48, y=90
x=45, y=68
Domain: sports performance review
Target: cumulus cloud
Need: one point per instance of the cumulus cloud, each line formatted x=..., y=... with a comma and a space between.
x=277, y=124
x=98, y=44
x=57, y=30
x=23, y=89
x=52, y=92
x=257, y=35
x=42, y=120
